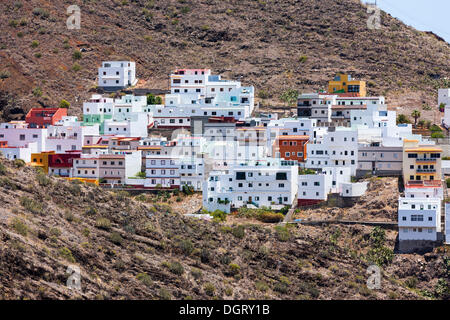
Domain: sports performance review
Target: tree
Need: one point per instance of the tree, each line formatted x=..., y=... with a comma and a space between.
x=151, y=99
x=401, y=118
x=416, y=115
x=290, y=96
x=64, y=104
x=442, y=107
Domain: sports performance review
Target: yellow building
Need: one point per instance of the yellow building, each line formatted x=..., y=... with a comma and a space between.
x=421, y=163
x=41, y=160
x=344, y=83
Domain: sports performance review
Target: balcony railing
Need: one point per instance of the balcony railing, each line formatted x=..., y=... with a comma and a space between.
x=426, y=160
x=426, y=170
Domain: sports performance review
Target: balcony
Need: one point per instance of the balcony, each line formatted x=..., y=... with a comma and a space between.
x=426, y=160
x=426, y=170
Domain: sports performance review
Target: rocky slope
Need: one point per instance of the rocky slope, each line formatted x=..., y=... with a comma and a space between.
x=272, y=44
x=139, y=248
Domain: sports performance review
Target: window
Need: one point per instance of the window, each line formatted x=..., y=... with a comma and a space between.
x=281, y=176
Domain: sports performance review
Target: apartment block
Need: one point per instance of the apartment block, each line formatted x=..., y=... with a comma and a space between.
x=419, y=218
x=116, y=75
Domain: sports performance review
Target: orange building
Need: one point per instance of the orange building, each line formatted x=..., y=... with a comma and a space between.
x=41, y=160
x=291, y=147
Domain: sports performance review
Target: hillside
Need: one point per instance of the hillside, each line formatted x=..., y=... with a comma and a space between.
x=139, y=248
x=272, y=44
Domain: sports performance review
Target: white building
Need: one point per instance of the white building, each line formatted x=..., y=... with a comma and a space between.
x=68, y=135
x=264, y=183
x=419, y=218
x=444, y=96
x=86, y=167
x=116, y=75
x=17, y=134
x=338, y=148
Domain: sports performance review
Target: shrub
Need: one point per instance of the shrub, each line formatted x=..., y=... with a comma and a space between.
x=66, y=254
x=144, y=278
x=37, y=92
x=103, y=223
x=282, y=286
x=210, y=289
x=282, y=233
x=238, y=232
x=77, y=55
x=13, y=23
x=261, y=286
x=55, y=232
x=196, y=273
x=186, y=246
x=44, y=14
x=35, y=44
x=19, y=163
x=411, y=282
x=116, y=238
x=270, y=217
x=3, y=169
x=91, y=211
x=219, y=215
x=64, y=104
x=234, y=269
x=76, y=67
x=164, y=294
x=176, y=268
x=31, y=205
x=437, y=135
x=435, y=128
x=302, y=59
x=19, y=226
x=43, y=180
x=5, y=74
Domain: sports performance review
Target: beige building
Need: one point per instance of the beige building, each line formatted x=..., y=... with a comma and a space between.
x=421, y=163
x=376, y=159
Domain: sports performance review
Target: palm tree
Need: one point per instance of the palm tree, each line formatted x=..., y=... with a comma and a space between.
x=416, y=115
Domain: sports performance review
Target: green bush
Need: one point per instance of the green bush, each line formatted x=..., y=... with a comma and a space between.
x=43, y=179
x=35, y=44
x=144, y=278
x=270, y=217
x=187, y=247
x=64, y=104
x=219, y=215
x=31, y=205
x=19, y=226
x=210, y=289
x=77, y=55
x=176, y=268
x=3, y=169
x=76, y=67
x=282, y=233
x=19, y=163
x=66, y=254
x=103, y=223
x=234, y=269
x=238, y=232
x=116, y=238
x=164, y=294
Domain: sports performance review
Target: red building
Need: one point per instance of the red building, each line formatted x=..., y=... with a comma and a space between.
x=60, y=164
x=44, y=117
x=291, y=147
